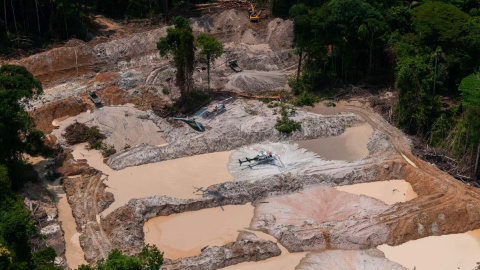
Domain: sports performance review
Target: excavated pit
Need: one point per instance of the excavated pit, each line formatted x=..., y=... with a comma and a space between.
x=186, y=234
x=130, y=70
x=350, y=145
x=176, y=178
x=453, y=251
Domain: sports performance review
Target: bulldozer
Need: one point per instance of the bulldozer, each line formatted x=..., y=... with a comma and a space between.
x=252, y=14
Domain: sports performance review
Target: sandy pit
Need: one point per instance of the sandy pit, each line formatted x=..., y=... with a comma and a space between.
x=446, y=252
x=122, y=125
x=73, y=251
x=389, y=192
x=185, y=234
x=350, y=145
x=176, y=178
x=371, y=259
x=252, y=81
x=286, y=260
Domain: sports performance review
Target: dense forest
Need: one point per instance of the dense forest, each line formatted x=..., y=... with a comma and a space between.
x=27, y=24
x=428, y=50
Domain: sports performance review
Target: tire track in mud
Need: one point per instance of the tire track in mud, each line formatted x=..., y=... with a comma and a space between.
x=449, y=193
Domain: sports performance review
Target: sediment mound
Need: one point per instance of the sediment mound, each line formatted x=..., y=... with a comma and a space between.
x=255, y=81
x=371, y=259
x=122, y=126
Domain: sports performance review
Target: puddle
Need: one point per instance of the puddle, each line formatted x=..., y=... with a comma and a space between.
x=73, y=251
x=322, y=108
x=286, y=260
x=446, y=252
x=176, y=178
x=390, y=192
x=350, y=145
x=185, y=234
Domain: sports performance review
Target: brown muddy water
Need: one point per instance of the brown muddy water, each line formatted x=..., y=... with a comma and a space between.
x=390, y=192
x=350, y=145
x=176, y=178
x=185, y=234
x=446, y=252
x=73, y=251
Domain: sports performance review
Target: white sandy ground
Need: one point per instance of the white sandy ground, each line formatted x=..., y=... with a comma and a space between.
x=390, y=192
x=176, y=178
x=286, y=260
x=185, y=234
x=350, y=145
x=122, y=125
x=73, y=251
x=446, y=252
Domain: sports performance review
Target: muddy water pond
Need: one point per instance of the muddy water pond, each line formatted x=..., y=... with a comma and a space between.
x=446, y=252
x=185, y=234
x=350, y=145
x=175, y=178
x=390, y=192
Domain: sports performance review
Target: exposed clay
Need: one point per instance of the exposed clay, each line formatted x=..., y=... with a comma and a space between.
x=371, y=259
x=286, y=260
x=248, y=247
x=122, y=126
x=322, y=218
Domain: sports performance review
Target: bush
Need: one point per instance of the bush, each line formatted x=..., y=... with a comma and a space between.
x=306, y=99
x=79, y=132
x=285, y=124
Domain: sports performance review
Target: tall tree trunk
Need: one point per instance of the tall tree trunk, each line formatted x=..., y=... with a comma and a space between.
x=475, y=173
x=299, y=63
x=435, y=74
x=208, y=70
x=38, y=18
x=14, y=18
x=5, y=13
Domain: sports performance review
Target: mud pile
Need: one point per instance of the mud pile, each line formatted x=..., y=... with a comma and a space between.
x=123, y=126
x=371, y=259
x=247, y=247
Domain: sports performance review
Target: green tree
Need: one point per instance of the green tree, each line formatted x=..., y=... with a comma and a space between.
x=180, y=42
x=211, y=49
x=470, y=91
x=439, y=23
x=16, y=126
x=149, y=259
x=418, y=107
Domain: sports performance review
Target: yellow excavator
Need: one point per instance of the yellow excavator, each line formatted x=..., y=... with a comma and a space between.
x=252, y=14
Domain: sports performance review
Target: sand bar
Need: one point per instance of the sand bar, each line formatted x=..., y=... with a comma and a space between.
x=185, y=234
x=390, y=192
x=175, y=178
x=446, y=252
x=350, y=145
